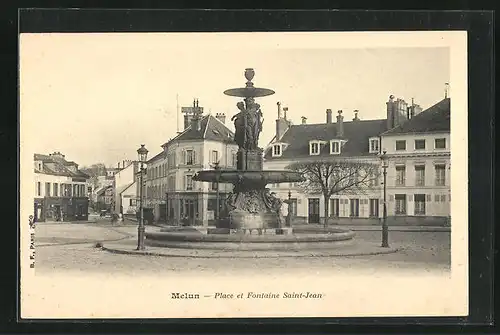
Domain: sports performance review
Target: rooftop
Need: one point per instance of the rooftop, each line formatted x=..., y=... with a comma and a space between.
x=357, y=134
x=58, y=166
x=434, y=119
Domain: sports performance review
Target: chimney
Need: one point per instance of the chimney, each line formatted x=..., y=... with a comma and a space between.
x=304, y=119
x=285, y=110
x=221, y=117
x=118, y=165
x=390, y=112
x=328, y=116
x=282, y=124
x=279, y=109
x=195, y=123
x=356, y=115
x=446, y=90
x=340, y=124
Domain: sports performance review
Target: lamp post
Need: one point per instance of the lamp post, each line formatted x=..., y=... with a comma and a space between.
x=142, y=153
x=385, y=228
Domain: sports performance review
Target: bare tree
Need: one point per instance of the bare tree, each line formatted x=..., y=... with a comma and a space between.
x=334, y=176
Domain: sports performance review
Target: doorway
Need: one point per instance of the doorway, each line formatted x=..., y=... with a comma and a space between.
x=313, y=216
x=354, y=207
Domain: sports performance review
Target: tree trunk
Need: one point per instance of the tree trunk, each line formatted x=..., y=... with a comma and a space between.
x=325, y=220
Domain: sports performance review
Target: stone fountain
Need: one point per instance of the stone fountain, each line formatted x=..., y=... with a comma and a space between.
x=250, y=205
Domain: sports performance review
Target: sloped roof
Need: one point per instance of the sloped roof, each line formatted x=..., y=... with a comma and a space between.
x=434, y=119
x=156, y=157
x=357, y=134
x=210, y=129
x=60, y=167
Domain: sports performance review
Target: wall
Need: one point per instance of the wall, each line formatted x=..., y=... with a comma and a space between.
x=128, y=195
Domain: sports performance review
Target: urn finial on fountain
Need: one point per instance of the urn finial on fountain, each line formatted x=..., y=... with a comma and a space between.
x=249, y=74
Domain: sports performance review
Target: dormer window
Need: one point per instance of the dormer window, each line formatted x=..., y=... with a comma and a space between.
x=314, y=148
x=277, y=150
x=374, y=145
x=335, y=147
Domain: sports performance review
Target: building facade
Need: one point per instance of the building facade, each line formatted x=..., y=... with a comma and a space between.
x=124, y=187
x=60, y=189
x=427, y=132
x=171, y=193
x=104, y=198
x=418, y=170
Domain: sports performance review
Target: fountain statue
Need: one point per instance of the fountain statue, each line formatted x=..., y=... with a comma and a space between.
x=251, y=205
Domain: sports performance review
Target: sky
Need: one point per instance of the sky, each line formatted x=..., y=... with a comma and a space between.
x=97, y=97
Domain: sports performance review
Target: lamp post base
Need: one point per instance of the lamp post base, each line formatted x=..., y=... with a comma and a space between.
x=141, y=232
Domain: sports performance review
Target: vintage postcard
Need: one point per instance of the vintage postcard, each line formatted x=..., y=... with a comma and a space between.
x=220, y=175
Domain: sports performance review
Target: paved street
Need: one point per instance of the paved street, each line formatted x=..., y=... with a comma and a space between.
x=70, y=247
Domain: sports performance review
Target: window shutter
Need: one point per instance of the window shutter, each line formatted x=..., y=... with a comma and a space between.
x=429, y=198
x=194, y=157
x=183, y=156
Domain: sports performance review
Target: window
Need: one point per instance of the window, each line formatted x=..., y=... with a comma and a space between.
x=213, y=186
x=443, y=198
x=215, y=157
x=276, y=150
x=314, y=148
x=189, y=157
x=55, y=189
x=400, y=204
x=374, y=179
x=440, y=174
x=171, y=183
x=420, y=175
x=47, y=189
x=374, y=145
x=401, y=145
x=436, y=198
x=189, y=182
x=234, y=157
x=38, y=188
x=419, y=144
x=374, y=208
x=400, y=175
x=354, y=208
x=419, y=204
x=440, y=143
x=335, y=147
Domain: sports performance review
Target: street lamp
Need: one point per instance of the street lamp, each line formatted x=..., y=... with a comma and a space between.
x=142, y=153
x=385, y=228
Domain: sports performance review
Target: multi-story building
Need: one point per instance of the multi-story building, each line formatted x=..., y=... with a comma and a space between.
x=350, y=140
x=418, y=173
x=60, y=189
x=124, y=186
x=170, y=190
x=417, y=146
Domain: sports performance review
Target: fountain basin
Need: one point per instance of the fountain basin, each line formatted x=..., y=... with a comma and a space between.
x=200, y=239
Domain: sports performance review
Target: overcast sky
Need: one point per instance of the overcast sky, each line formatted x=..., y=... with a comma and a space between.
x=97, y=97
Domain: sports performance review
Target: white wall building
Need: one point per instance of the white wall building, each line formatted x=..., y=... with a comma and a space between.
x=170, y=190
x=418, y=171
x=124, y=185
x=363, y=140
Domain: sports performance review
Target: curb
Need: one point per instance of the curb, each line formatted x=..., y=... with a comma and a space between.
x=312, y=254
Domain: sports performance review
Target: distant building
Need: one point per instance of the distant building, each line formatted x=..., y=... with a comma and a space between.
x=170, y=191
x=104, y=198
x=124, y=187
x=363, y=140
x=60, y=189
